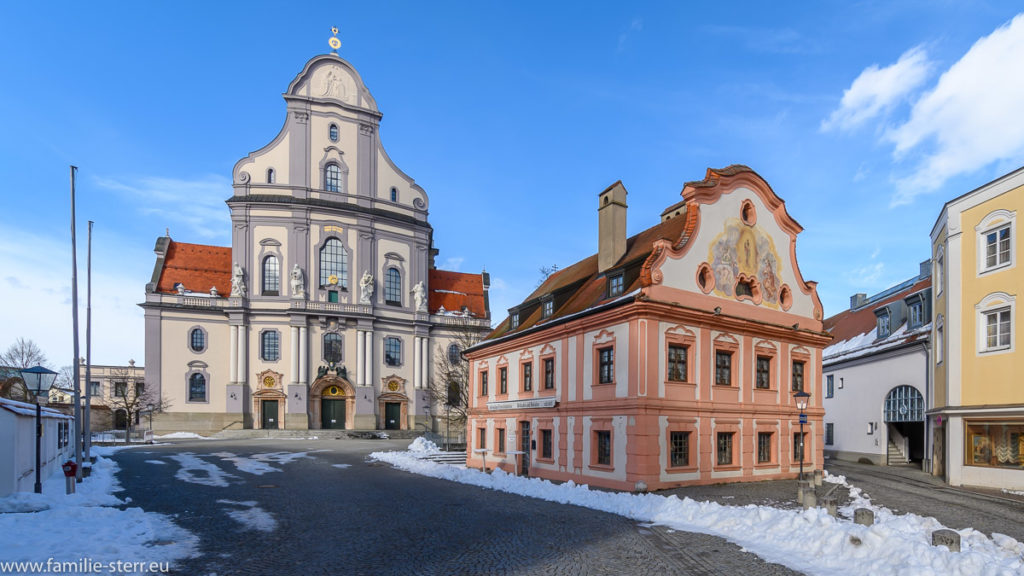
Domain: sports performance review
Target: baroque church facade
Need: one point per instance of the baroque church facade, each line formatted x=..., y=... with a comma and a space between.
x=326, y=311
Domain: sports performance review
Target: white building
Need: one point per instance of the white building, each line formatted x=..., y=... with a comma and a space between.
x=326, y=310
x=18, y=449
x=876, y=376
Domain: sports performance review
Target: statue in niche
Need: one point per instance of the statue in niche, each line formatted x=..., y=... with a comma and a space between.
x=296, y=278
x=366, y=288
x=419, y=296
x=238, y=281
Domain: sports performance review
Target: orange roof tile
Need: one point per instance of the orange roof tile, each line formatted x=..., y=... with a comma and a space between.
x=455, y=290
x=198, y=266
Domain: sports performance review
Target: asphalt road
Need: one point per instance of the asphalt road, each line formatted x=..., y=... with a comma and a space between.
x=337, y=513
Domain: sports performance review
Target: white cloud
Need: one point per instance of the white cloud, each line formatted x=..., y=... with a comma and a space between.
x=636, y=25
x=453, y=263
x=970, y=119
x=877, y=90
x=197, y=205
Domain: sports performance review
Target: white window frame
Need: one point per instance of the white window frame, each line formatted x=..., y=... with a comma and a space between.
x=940, y=262
x=994, y=303
x=940, y=338
x=993, y=223
x=888, y=326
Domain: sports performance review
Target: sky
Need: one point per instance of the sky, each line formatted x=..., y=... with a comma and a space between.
x=865, y=117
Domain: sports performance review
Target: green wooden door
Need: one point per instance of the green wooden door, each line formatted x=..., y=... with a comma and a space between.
x=332, y=413
x=270, y=421
x=392, y=416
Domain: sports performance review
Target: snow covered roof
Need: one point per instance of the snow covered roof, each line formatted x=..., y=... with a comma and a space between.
x=26, y=409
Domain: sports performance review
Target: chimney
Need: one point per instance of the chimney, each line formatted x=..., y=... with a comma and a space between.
x=858, y=300
x=926, y=269
x=487, y=287
x=611, y=234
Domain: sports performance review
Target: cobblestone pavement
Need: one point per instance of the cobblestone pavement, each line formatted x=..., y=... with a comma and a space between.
x=369, y=518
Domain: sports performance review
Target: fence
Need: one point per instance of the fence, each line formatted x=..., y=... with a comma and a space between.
x=136, y=436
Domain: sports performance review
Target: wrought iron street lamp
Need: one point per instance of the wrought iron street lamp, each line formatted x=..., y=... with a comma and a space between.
x=38, y=381
x=801, y=398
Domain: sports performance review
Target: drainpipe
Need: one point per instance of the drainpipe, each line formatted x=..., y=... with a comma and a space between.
x=927, y=404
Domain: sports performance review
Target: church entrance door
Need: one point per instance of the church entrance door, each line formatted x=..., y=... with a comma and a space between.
x=392, y=416
x=332, y=413
x=269, y=415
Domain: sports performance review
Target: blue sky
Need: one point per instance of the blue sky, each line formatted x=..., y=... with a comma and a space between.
x=865, y=118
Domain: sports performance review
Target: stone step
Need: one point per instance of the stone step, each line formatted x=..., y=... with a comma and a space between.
x=454, y=458
x=319, y=434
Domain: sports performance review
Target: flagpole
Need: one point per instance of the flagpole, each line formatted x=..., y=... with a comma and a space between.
x=87, y=424
x=74, y=323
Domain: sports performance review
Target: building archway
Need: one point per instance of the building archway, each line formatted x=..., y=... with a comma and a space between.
x=904, y=415
x=332, y=403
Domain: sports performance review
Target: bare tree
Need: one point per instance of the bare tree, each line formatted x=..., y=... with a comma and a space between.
x=449, y=389
x=20, y=355
x=546, y=271
x=131, y=395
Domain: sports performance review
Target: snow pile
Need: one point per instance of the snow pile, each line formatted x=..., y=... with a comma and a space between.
x=808, y=541
x=180, y=436
x=423, y=447
x=71, y=527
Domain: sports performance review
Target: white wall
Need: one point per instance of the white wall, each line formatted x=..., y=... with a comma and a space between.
x=18, y=450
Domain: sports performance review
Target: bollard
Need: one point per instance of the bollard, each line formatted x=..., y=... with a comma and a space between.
x=831, y=507
x=947, y=538
x=70, y=484
x=810, y=499
x=864, y=516
x=802, y=488
x=818, y=475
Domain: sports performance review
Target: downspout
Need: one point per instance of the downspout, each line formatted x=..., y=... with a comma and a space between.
x=928, y=448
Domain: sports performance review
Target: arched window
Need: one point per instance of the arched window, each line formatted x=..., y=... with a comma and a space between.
x=197, y=388
x=332, y=178
x=332, y=347
x=394, y=194
x=333, y=262
x=392, y=351
x=270, y=346
x=904, y=404
x=454, y=354
x=270, y=175
x=271, y=276
x=197, y=340
x=332, y=132
x=393, y=287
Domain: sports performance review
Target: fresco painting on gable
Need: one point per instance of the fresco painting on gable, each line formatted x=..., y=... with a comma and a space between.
x=745, y=253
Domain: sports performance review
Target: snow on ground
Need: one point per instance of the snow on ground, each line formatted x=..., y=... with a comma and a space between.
x=198, y=471
x=87, y=526
x=259, y=464
x=155, y=462
x=341, y=465
x=808, y=541
x=181, y=436
x=250, y=515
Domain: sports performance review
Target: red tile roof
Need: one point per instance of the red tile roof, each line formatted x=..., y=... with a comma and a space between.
x=198, y=266
x=455, y=290
x=580, y=286
x=852, y=323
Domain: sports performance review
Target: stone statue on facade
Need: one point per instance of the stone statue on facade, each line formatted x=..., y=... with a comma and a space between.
x=366, y=288
x=419, y=296
x=296, y=278
x=238, y=281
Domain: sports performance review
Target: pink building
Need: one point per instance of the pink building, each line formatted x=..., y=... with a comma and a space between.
x=667, y=358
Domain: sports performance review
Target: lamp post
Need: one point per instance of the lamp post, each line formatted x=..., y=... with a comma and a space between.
x=150, y=408
x=801, y=398
x=38, y=381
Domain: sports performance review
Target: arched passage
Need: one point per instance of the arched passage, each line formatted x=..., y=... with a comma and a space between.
x=904, y=410
x=332, y=404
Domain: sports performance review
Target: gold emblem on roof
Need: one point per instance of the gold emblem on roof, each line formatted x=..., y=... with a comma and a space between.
x=334, y=42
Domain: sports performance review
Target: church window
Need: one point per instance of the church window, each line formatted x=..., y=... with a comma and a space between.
x=392, y=351
x=332, y=347
x=197, y=388
x=197, y=340
x=393, y=287
x=270, y=175
x=332, y=132
x=332, y=178
x=271, y=276
x=333, y=262
x=270, y=346
x=394, y=194
x=454, y=354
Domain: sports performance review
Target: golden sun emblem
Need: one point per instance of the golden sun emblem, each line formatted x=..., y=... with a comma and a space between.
x=334, y=42
x=393, y=386
x=269, y=382
x=332, y=279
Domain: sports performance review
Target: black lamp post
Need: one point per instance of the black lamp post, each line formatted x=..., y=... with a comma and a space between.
x=38, y=381
x=801, y=398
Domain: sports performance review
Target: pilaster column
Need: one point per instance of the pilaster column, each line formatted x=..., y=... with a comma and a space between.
x=303, y=355
x=295, y=356
x=360, y=357
x=425, y=364
x=368, y=364
x=233, y=350
x=242, y=337
x=417, y=360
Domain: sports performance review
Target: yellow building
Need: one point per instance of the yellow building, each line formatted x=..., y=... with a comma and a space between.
x=978, y=404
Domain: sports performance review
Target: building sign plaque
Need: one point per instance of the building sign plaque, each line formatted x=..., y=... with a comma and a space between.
x=523, y=404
